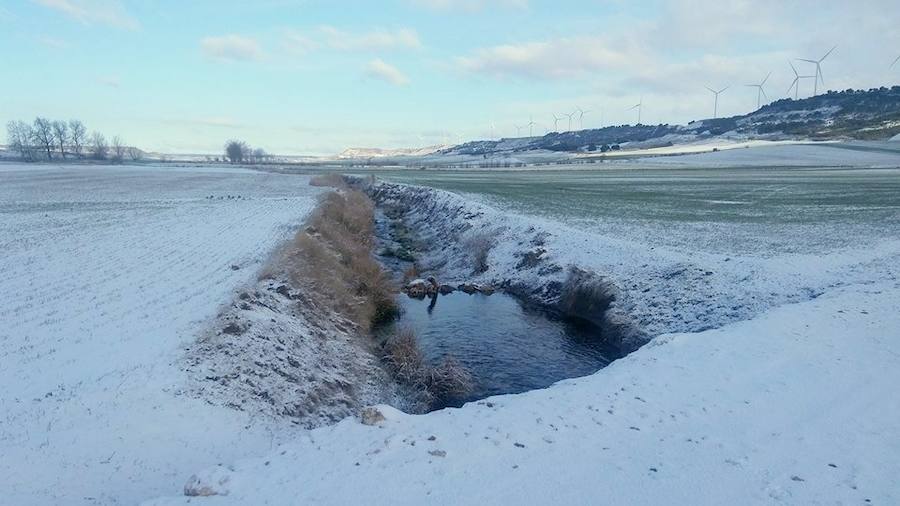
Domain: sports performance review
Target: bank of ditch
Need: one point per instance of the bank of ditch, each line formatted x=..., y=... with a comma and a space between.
x=328, y=327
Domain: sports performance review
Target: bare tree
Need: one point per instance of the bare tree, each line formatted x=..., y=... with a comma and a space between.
x=118, y=148
x=135, y=154
x=259, y=155
x=99, y=147
x=19, y=137
x=236, y=151
x=43, y=135
x=77, y=136
x=61, y=134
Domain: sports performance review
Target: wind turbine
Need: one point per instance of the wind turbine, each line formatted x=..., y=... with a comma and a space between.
x=519, y=131
x=716, y=103
x=760, y=92
x=556, y=122
x=530, y=125
x=818, y=70
x=796, y=82
x=581, y=112
x=570, y=116
x=638, y=106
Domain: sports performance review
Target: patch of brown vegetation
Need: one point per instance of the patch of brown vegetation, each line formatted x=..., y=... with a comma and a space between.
x=332, y=256
x=432, y=384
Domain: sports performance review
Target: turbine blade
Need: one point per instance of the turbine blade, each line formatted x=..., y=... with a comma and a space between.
x=766, y=79
x=793, y=68
x=761, y=90
x=894, y=62
x=828, y=53
x=810, y=61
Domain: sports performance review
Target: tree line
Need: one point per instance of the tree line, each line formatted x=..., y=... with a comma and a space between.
x=237, y=151
x=46, y=139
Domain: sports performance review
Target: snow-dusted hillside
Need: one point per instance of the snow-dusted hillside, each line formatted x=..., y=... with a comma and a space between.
x=107, y=275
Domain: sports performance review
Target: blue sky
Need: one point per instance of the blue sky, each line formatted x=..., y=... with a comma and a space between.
x=315, y=77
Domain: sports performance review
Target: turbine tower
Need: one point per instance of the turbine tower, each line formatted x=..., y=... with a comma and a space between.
x=570, y=116
x=556, y=122
x=716, y=103
x=530, y=125
x=638, y=106
x=581, y=112
x=795, y=84
x=818, y=64
x=519, y=131
x=760, y=93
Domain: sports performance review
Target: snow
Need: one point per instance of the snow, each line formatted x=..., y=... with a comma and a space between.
x=796, y=406
x=786, y=154
x=678, y=285
x=773, y=380
x=107, y=275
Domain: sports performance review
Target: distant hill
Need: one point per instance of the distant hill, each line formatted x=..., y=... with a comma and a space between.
x=356, y=153
x=850, y=114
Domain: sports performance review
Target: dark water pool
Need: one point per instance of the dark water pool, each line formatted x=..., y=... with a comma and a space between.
x=508, y=348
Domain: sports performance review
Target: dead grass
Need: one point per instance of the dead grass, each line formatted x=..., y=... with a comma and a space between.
x=479, y=245
x=432, y=384
x=411, y=273
x=333, y=256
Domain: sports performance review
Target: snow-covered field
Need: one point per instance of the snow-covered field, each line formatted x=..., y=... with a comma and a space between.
x=798, y=406
x=773, y=382
x=106, y=275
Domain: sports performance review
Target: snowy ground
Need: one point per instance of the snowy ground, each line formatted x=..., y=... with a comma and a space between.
x=107, y=274
x=797, y=406
x=760, y=154
x=774, y=382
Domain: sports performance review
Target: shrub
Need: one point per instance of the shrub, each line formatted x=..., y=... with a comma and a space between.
x=432, y=385
x=479, y=246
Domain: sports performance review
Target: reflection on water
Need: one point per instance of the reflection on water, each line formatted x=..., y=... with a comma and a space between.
x=506, y=347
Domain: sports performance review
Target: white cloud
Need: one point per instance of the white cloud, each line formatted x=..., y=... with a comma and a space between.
x=376, y=40
x=469, y=5
x=105, y=12
x=231, y=48
x=298, y=43
x=552, y=59
x=379, y=69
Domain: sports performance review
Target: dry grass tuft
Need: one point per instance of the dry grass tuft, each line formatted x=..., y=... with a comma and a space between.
x=333, y=255
x=479, y=245
x=433, y=385
x=411, y=273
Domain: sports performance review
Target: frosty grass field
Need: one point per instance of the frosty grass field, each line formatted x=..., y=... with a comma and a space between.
x=108, y=274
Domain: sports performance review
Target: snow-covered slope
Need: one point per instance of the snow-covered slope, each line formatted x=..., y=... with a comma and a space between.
x=797, y=406
x=661, y=288
x=107, y=275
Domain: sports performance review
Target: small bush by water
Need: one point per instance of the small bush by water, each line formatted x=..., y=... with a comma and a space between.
x=432, y=385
